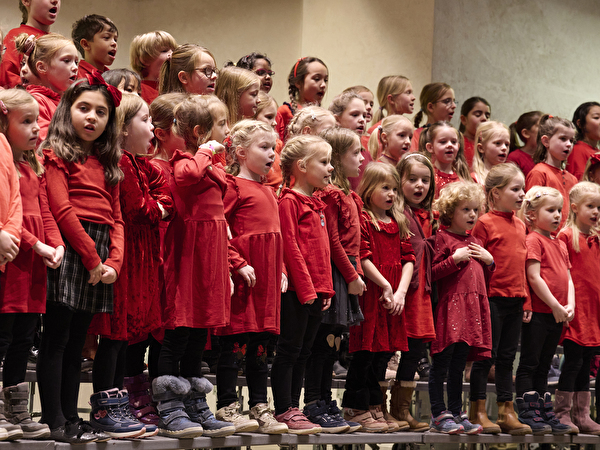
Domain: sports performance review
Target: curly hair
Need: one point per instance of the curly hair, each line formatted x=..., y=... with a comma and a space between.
x=454, y=193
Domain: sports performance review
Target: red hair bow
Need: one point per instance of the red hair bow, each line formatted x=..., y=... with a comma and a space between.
x=594, y=159
x=228, y=142
x=96, y=78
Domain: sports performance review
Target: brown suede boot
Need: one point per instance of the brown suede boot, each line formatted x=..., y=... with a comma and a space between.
x=562, y=409
x=581, y=413
x=478, y=415
x=509, y=422
x=393, y=423
x=402, y=393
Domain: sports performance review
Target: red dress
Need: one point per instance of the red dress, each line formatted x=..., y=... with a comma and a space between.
x=10, y=67
x=11, y=211
x=136, y=306
x=149, y=90
x=23, y=284
x=284, y=115
x=463, y=311
x=380, y=331
x=414, y=142
x=469, y=151
x=48, y=101
x=197, y=268
x=251, y=211
x=521, y=159
x=442, y=179
x=578, y=158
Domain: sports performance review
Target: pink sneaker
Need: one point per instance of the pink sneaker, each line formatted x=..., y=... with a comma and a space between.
x=297, y=422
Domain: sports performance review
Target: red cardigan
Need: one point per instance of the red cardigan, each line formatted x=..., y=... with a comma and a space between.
x=11, y=211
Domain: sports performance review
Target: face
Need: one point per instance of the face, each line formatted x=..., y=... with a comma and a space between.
x=89, y=115
x=318, y=168
x=138, y=133
x=324, y=123
x=268, y=115
x=403, y=103
x=547, y=218
x=350, y=161
x=314, y=86
x=262, y=68
x=530, y=136
x=354, y=116
x=132, y=86
x=592, y=124
x=23, y=129
x=397, y=143
x=62, y=70
x=479, y=113
x=153, y=68
x=249, y=101
x=43, y=12
x=102, y=50
x=367, y=96
x=495, y=149
x=559, y=145
x=220, y=129
x=27, y=76
x=197, y=82
x=258, y=157
x=465, y=216
x=415, y=185
x=510, y=197
x=587, y=213
x=444, y=147
x=384, y=196
x=443, y=108
x=594, y=174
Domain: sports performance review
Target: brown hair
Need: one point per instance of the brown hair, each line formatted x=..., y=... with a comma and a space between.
x=192, y=112
x=87, y=27
x=524, y=122
x=340, y=102
x=161, y=110
x=183, y=59
x=296, y=76
x=498, y=178
x=129, y=107
x=44, y=48
x=404, y=167
x=298, y=148
x=340, y=139
x=146, y=47
x=233, y=82
x=547, y=127
x=308, y=116
x=460, y=165
x=430, y=93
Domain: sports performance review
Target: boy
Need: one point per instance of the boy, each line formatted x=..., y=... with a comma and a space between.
x=95, y=37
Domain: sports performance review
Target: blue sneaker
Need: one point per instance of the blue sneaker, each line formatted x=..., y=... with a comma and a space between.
x=318, y=413
x=444, y=423
x=336, y=413
x=469, y=428
x=198, y=411
x=106, y=416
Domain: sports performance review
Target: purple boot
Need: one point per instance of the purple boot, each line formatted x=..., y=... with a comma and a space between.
x=140, y=400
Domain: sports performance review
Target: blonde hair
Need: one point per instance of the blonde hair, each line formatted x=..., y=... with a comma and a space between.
x=578, y=194
x=547, y=126
x=215, y=106
x=340, y=139
x=188, y=114
x=534, y=200
x=146, y=47
x=485, y=132
x=127, y=109
x=242, y=135
x=44, y=48
x=341, y=102
x=233, y=82
x=387, y=126
x=430, y=93
x=591, y=165
x=404, y=167
x=161, y=110
x=13, y=100
x=454, y=193
x=460, y=165
x=299, y=148
x=183, y=59
x=498, y=178
x=390, y=85
x=264, y=100
x=309, y=116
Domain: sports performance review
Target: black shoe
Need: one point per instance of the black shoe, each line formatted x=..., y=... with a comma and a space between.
x=530, y=413
x=71, y=433
x=88, y=428
x=423, y=369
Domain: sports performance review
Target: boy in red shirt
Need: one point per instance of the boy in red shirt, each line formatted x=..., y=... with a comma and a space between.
x=95, y=37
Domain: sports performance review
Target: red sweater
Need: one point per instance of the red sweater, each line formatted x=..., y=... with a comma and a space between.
x=521, y=159
x=48, y=101
x=11, y=211
x=149, y=90
x=86, y=68
x=284, y=115
x=578, y=158
x=10, y=67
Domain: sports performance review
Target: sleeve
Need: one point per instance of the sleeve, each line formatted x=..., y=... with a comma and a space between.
x=117, y=234
x=13, y=221
x=534, y=248
x=159, y=189
x=365, y=237
x=44, y=118
x=187, y=171
x=481, y=233
x=28, y=240
x=408, y=253
x=230, y=203
x=338, y=254
x=565, y=254
x=443, y=263
x=282, y=119
x=52, y=235
x=535, y=177
x=10, y=69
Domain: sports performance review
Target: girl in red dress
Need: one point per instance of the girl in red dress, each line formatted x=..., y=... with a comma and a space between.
x=437, y=104
x=473, y=112
x=310, y=120
x=220, y=130
x=387, y=259
x=492, y=140
x=256, y=257
x=582, y=337
x=390, y=141
x=260, y=64
x=524, y=129
x=462, y=315
x=586, y=119
x=191, y=68
x=350, y=112
x=266, y=112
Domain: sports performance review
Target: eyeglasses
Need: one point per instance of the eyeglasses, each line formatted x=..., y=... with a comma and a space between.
x=263, y=72
x=447, y=102
x=208, y=71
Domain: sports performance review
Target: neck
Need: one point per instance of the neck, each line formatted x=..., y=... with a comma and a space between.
x=446, y=168
x=453, y=229
x=487, y=166
x=17, y=155
x=248, y=174
x=590, y=142
x=528, y=150
x=469, y=135
x=35, y=24
x=552, y=161
x=96, y=64
x=542, y=232
x=503, y=210
x=585, y=229
x=380, y=214
x=303, y=187
x=388, y=156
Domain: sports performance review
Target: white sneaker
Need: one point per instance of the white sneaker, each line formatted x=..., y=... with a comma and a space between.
x=232, y=414
x=265, y=418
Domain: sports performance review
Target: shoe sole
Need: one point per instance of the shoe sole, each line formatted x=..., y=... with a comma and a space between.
x=419, y=430
x=125, y=435
x=354, y=429
x=221, y=432
x=245, y=428
x=305, y=431
x=150, y=433
x=3, y=435
x=335, y=430
x=32, y=435
x=373, y=430
x=188, y=433
x=523, y=432
x=275, y=430
x=433, y=430
x=14, y=435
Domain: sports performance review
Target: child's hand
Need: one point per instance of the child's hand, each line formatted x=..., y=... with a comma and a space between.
x=215, y=146
x=109, y=275
x=527, y=316
x=9, y=246
x=164, y=213
x=560, y=314
x=398, y=304
x=284, y=283
x=96, y=275
x=310, y=302
x=571, y=312
x=461, y=254
x=58, y=257
x=357, y=287
x=387, y=297
x=477, y=251
x=247, y=273
x=231, y=287
x=326, y=304
x=45, y=251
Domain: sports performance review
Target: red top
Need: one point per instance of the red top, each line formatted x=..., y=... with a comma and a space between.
x=521, y=159
x=554, y=270
x=414, y=142
x=546, y=175
x=463, y=310
x=48, y=101
x=305, y=245
x=86, y=68
x=584, y=329
x=442, y=179
x=11, y=211
x=10, y=67
x=578, y=158
x=355, y=181
x=149, y=90
x=77, y=191
x=274, y=177
x=380, y=331
x=469, y=151
x=503, y=235
x=284, y=115
x=23, y=285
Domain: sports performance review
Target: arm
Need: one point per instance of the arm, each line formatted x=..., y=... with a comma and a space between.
x=371, y=272
x=541, y=289
x=338, y=254
x=187, y=171
x=117, y=241
x=400, y=294
x=571, y=300
x=159, y=189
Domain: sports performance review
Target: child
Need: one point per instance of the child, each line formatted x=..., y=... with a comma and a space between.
x=190, y=69
x=395, y=96
x=257, y=258
x=238, y=89
x=220, y=130
x=38, y=17
x=53, y=59
x=368, y=98
x=525, y=129
x=473, y=112
x=147, y=53
x=197, y=243
x=124, y=79
x=491, y=141
x=391, y=140
x=310, y=120
x=582, y=337
x=555, y=142
x=503, y=235
x=260, y=64
x=551, y=303
x=266, y=111
x=387, y=259
x=349, y=111
x=462, y=316
x=591, y=172
x=307, y=86
x=342, y=213
x=587, y=122
x=95, y=37
x=81, y=159
x=438, y=104
x=11, y=210
x=306, y=257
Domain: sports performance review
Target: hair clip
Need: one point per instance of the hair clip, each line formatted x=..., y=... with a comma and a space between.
x=313, y=116
x=29, y=45
x=427, y=125
x=550, y=116
x=174, y=120
x=96, y=78
x=380, y=128
x=296, y=66
x=228, y=142
x=3, y=108
x=381, y=108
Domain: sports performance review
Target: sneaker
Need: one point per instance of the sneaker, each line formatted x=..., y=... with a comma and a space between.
x=88, y=428
x=336, y=413
x=365, y=419
x=550, y=418
x=297, y=422
x=317, y=413
x=267, y=423
x=530, y=413
x=339, y=371
x=198, y=411
x=232, y=414
x=106, y=416
x=71, y=433
x=469, y=428
x=445, y=423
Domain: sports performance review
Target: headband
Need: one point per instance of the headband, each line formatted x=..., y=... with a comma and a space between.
x=96, y=78
x=296, y=66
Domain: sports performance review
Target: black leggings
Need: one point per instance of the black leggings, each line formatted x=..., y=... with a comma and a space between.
x=319, y=366
x=362, y=382
x=135, y=354
x=17, y=332
x=109, y=365
x=181, y=352
x=409, y=361
x=575, y=371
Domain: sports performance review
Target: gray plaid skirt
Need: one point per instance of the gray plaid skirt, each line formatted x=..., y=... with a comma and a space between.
x=68, y=285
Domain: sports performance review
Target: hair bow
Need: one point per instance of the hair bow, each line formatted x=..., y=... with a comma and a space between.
x=96, y=78
x=228, y=142
x=594, y=159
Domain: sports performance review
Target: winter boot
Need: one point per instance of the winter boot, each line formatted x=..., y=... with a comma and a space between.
x=551, y=419
x=140, y=399
x=123, y=396
x=198, y=411
x=402, y=393
x=394, y=423
x=478, y=415
x=562, y=409
x=13, y=432
x=581, y=413
x=377, y=414
x=530, y=413
x=509, y=422
x=15, y=402
x=107, y=417
x=169, y=392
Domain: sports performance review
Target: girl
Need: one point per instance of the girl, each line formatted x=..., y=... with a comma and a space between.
x=266, y=112
x=257, y=257
x=492, y=141
x=525, y=129
x=260, y=64
x=311, y=120
x=124, y=79
x=591, y=172
x=190, y=69
x=349, y=111
x=307, y=86
x=444, y=145
x=582, y=337
x=307, y=259
x=53, y=60
x=23, y=283
x=342, y=213
x=555, y=142
x=587, y=122
x=438, y=104
x=503, y=235
x=197, y=239
x=220, y=130
x=462, y=315
x=395, y=96
x=417, y=188
x=238, y=89
x=473, y=112
x=366, y=94
x=82, y=169
x=387, y=259
x=391, y=140
x=551, y=303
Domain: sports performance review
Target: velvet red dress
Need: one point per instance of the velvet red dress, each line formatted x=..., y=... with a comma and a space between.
x=197, y=267
x=521, y=159
x=380, y=331
x=252, y=214
x=136, y=305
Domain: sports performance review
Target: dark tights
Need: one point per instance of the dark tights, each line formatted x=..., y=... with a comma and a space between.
x=17, y=332
x=109, y=365
x=136, y=353
x=181, y=352
x=319, y=366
